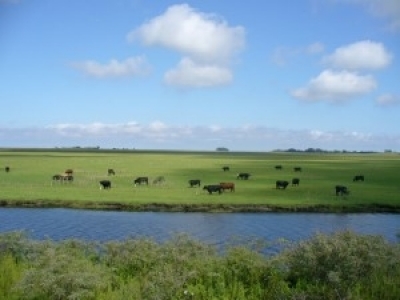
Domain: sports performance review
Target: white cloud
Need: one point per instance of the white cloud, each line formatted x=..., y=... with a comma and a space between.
x=204, y=37
x=360, y=56
x=158, y=135
x=132, y=66
x=208, y=45
x=335, y=86
x=191, y=74
x=388, y=100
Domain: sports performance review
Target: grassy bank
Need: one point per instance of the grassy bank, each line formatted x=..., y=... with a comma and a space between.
x=339, y=266
x=29, y=182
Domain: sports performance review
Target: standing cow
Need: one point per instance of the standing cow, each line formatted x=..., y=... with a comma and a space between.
x=341, y=190
x=213, y=188
x=110, y=172
x=141, y=180
x=295, y=181
x=105, y=184
x=227, y=186
x=244, y=176
x=194, y=182
x=281, y=184
x=358, y=178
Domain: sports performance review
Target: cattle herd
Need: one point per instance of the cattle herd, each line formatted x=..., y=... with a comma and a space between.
x=67, y=177
x=340, y=190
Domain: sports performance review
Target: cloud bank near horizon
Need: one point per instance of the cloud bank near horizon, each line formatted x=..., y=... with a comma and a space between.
x=158, y=135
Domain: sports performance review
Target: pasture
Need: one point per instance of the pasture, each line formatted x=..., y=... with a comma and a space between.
x=29, y=181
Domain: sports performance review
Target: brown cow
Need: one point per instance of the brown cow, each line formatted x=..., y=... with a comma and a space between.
x=228, y=186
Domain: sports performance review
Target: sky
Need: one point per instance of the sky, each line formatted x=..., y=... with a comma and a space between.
x=197, y=75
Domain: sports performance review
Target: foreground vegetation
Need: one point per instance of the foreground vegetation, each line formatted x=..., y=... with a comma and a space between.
x=29, y=181
x=343, y=265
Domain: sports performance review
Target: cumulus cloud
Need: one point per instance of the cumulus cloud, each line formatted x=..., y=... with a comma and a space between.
x=191, y=74
x=335, y=86
x=362, y=55
x=203, y=37
x=132, y=66
x=207, y=43
x=388, y=100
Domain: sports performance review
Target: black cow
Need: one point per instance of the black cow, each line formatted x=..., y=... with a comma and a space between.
x=295, y=181
x=225, y=168
x=141, y=180
x=341, y=190
x=281, y=184
x=227, y=186
x=213, y=188
x=68, y=178
x=63, y=177
x=297, y=169
x=243, y=176
x=7, y=169
x=105, y=184
x=57, y=177
x=110, y=172
x=194, y=182
x=358, y=178
x=278, y=167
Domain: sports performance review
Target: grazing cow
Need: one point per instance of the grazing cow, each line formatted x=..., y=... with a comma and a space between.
x=358, y=178
x=69, y=171
x=7, y=169
x=68, y=178
x=63, y=177
x=158, y=180
x=278, y=167
x=57, y=177
x=225, y=168
x=141, y=180
x=281, y=184
x=297, y=169
x=105, y=184
x=295, y=181
x=194, y=182
x=227, y=186
x=341, y=190
x=213, y=188
x=243, y=176
x=110, y=172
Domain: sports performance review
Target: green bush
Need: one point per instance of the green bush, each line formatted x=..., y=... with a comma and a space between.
x=337, y=263
x=343, y=265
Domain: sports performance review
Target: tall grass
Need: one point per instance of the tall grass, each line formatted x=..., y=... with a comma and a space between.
x=343, y=265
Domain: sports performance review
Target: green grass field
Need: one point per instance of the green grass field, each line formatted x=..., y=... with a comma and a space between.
x=31, y=171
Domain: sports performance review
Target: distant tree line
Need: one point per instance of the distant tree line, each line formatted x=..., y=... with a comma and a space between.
x=319, y=150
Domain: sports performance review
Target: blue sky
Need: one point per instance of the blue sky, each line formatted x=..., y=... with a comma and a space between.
x=197, y=75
